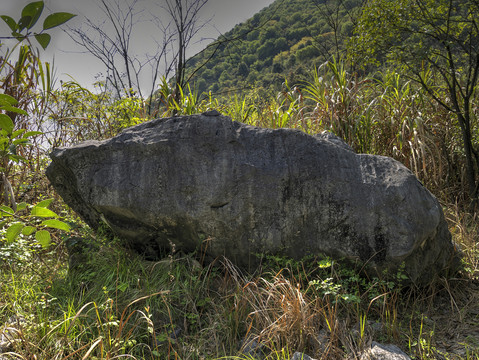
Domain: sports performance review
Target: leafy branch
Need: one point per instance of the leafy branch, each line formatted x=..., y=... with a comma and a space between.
x=35, y=224
x=30, y=15
x=11, y=141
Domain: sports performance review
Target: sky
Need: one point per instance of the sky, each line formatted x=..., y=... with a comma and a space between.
x=71, y=61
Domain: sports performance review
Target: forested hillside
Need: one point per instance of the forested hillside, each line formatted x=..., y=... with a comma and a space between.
x=283, y=41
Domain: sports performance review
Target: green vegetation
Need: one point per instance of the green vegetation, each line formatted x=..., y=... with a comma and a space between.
x=68, y=293
x=284, y=41
x=436, y=44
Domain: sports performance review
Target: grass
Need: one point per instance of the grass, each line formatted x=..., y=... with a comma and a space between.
x=113, y=304
x=107, y=303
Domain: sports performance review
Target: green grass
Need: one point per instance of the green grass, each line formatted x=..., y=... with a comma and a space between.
x=113, y=304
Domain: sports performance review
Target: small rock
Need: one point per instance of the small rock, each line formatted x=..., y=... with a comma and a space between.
x=370, y=328
x=251, y=348
x=10, y=333
x=376, y=327
x=212, y=113
x=323, y=340
x=301, y=356
x=384, y=352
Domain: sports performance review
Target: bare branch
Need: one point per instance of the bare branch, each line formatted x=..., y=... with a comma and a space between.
x=111, y=42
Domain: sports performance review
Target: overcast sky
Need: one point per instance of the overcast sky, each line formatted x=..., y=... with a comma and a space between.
x=69, y=59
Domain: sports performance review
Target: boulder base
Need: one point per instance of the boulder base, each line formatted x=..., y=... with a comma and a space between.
x=239, y=191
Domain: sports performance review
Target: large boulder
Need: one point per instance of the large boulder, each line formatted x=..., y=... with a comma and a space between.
x=239, y=191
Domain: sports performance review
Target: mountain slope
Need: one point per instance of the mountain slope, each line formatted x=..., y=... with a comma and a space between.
x=283, y=41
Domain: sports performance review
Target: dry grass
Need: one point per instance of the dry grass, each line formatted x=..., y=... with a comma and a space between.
x=281, y=313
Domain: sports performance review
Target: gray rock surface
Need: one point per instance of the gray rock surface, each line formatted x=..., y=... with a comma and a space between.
x=301, y=356
x=10, y=334
x=240, y=191
x=384, y=352
x=252, y=349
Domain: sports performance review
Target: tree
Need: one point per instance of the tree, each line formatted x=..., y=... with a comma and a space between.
x=184, y=15
x=111, y=41
x=336, y=14
x=243, y=69
x=436, y=43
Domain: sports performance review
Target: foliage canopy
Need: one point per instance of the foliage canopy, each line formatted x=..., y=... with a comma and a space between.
x=436, y=43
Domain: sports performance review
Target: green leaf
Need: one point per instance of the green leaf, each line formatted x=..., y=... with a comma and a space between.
x=44, y=203
x=23, y=23
x=13, y=109
x=43, y=40
x=32, y=133
x=32, y=12
x=12, y=150
x=43, y=237
x=6, y=211
x=10, y=22
x=7, y=100
x=123, y=286
x=22, y=206
x=16, y=142
x=56, y=19
x=21, y=141
x=13, y=231
x=56, y=224
x=325, y=263
x=18, y=36
x=16, y=158
x=42, y=212
x=29, y=230
x=6, y=123
x=18, y=132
